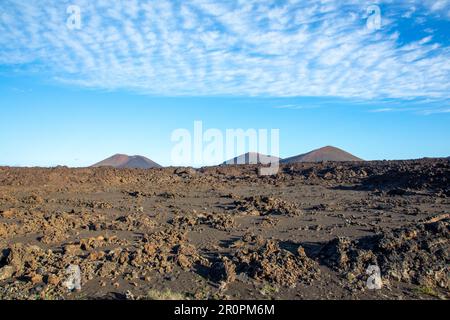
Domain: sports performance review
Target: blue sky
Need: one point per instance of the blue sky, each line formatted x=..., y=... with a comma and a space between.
x=323, y=72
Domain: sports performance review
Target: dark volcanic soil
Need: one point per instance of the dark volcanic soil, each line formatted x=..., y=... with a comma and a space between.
x=309, y=232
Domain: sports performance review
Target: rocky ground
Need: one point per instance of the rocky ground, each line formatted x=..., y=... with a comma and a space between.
x=309, y=232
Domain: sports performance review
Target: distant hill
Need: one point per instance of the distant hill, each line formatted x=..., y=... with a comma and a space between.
x=256, y=158
x=323, y=154
x=130, y=162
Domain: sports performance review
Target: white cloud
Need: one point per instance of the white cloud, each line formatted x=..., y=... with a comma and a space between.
x=428, y=112
x=246, y=48
x=382, y=110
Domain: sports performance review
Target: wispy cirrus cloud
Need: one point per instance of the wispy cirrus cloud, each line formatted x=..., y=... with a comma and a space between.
x=380, y=110
x=243, y=48
x=428, y=112
x=416, y=110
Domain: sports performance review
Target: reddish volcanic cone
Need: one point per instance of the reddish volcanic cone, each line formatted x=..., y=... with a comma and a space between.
x=130, y=162
x=323, y=154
